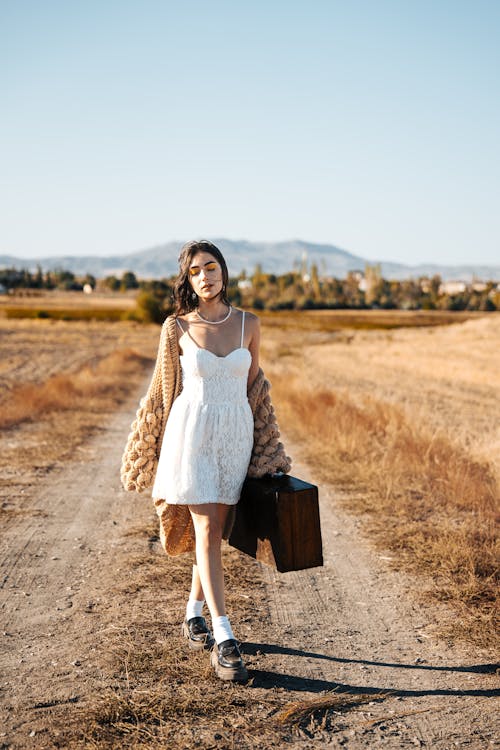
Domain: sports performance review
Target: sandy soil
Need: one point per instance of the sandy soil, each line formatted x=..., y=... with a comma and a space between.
x=351, y=625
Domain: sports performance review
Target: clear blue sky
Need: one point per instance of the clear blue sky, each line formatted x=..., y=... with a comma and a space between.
x=371, y=125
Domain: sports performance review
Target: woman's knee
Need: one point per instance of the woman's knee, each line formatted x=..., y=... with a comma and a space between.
x=208, y=527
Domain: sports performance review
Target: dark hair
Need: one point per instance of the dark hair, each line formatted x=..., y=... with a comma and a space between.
x=183, y=300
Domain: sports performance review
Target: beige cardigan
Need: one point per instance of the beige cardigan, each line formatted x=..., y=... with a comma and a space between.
x=140, y=457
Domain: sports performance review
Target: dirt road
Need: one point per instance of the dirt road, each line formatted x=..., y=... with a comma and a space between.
x=355, y=625
x=352, y=625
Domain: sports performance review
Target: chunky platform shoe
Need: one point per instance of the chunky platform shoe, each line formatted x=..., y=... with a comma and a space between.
x=197, y=633
x=227, y=662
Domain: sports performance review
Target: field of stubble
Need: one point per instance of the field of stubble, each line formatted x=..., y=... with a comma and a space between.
x=406, y=423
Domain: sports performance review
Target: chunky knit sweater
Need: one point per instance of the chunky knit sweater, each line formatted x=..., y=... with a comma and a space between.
x=140, y=458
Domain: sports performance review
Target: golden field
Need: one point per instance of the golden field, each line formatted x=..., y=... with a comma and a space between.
x=406, y=424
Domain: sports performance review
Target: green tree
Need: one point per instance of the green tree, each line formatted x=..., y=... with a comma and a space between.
x=315, y=285
x=112, y=283
x=374, y=284
x=258, y=277
x=129, y=281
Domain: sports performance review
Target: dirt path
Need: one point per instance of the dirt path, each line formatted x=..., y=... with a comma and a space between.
x=352, y=625
x=54, y=561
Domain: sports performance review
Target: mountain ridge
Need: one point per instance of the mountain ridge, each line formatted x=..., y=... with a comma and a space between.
x=275, y=257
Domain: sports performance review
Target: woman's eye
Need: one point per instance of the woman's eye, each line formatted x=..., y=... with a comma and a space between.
x=194, y=271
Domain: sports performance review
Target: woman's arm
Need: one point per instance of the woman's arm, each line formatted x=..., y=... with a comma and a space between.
x=253, y=346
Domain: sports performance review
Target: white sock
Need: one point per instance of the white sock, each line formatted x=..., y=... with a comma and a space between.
x=194, y=608
x=222, y=629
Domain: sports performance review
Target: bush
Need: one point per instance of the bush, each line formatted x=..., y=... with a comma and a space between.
x=149, y=308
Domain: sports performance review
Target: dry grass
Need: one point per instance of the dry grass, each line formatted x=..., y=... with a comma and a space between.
x=406, y=423
x=108, y=379
x=414, y=482
x=335, y=320
x=427, y=499
x=446, y=378
x=67, y=306
x=93, y=313
x=317, y=708
x=155, y=693
x=82, y=370
x=56, y=299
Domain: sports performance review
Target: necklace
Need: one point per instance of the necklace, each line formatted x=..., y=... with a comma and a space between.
x=214, y=322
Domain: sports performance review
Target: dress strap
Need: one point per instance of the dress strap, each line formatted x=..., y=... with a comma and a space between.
x=242, y=329
x=180, y=326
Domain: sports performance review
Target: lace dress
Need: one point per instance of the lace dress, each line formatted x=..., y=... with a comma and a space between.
x=208, y=439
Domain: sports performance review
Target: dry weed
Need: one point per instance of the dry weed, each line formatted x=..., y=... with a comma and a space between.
x=155, y=692
x=316, y=708
x=426, y=497
x=61, y=391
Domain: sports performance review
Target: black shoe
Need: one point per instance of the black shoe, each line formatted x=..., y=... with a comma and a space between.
x=227, y=662
x=196, y=631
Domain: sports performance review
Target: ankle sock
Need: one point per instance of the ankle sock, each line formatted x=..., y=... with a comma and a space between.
x=194, y=608
x=222, y=629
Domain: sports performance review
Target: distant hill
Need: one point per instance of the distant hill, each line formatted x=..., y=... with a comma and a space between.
x=274, y=257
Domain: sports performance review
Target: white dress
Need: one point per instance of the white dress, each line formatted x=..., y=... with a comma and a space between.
x=208, y=439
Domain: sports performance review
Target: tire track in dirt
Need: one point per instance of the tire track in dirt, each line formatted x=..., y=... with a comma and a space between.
x=356, y=625
x=48, y=654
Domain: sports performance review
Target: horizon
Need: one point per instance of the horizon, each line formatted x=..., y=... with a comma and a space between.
x=373, y=129
x=368, y=261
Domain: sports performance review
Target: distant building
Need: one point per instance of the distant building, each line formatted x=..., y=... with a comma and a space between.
x=87, y=289
x=452, y=287
x=479, y=286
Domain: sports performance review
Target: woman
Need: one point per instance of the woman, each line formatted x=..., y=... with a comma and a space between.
x=206, y=428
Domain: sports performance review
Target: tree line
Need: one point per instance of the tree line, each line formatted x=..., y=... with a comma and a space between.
x=302, y=289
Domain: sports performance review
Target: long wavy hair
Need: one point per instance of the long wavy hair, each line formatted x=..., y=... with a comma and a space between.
x=183, y=291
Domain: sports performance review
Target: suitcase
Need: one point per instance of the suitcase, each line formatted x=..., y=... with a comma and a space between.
x=277, y=523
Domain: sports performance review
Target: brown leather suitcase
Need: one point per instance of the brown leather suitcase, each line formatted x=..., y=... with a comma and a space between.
x=277, y=523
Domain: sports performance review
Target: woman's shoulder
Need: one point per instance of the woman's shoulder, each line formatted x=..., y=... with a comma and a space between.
x=250, y=317
x=170, y=319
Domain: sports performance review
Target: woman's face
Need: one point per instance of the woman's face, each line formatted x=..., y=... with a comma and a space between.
x=205, y=275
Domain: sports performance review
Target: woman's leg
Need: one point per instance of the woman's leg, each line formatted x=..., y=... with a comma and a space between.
x=196, y=587
x=209, y=520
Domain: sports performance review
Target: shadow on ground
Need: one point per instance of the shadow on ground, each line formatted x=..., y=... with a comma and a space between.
x=267, y=679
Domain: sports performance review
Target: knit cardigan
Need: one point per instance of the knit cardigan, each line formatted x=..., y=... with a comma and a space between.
x=142, y=451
